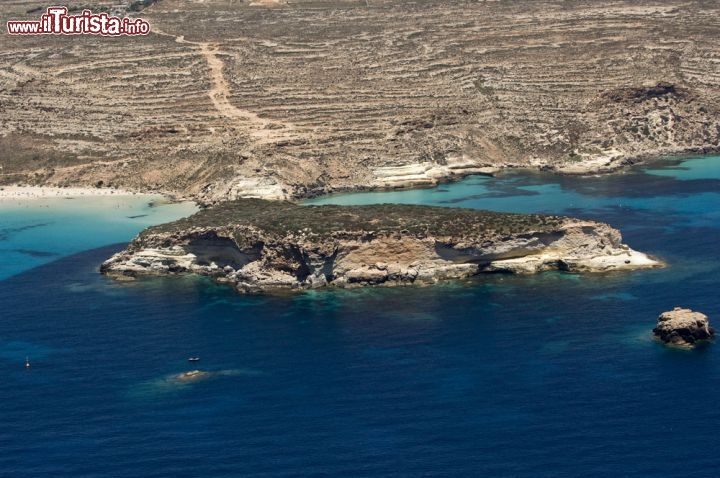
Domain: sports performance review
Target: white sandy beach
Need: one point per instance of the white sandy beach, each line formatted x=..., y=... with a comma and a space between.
x=11, y=193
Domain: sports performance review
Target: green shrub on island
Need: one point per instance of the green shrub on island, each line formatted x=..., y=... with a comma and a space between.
x=283, y=218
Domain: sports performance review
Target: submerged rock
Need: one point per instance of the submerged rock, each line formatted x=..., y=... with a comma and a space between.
x=683, y=328
x=259, y=245
x=191, y=376
x=183, y=381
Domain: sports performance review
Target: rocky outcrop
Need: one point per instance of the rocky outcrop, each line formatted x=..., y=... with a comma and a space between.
x=258, y=245
x=683, y=328
x=428, y=173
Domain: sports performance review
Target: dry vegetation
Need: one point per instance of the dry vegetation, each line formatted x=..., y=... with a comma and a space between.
x=285, y=218
x=270, y=98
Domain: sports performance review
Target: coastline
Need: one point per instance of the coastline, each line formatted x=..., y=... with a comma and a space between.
x=389, y=178
x=627, y=166
x=13, y=193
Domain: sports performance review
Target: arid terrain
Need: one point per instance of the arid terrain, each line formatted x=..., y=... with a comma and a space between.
x=230, y=98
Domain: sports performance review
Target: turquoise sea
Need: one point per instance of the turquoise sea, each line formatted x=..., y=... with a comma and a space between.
x=38, y=231
x=554, y=375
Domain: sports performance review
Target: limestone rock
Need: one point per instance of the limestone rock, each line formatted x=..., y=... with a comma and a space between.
x=683, y=328
x=258, y=245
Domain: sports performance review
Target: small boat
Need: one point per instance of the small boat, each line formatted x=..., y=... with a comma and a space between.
x=194, y=359
x=27, y=362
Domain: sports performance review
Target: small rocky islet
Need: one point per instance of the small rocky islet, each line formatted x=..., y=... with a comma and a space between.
x=258, y=245
x=683, y=328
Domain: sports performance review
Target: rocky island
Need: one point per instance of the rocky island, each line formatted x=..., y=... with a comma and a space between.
x=258, y=245
x=683, y=328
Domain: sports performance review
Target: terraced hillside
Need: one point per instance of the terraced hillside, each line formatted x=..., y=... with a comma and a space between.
x=230, y=98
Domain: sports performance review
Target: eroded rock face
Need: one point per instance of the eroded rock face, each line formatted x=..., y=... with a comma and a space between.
x=259, y=245
x=683, y=328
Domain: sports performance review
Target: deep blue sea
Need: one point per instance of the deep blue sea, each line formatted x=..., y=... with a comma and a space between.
x=554, y=375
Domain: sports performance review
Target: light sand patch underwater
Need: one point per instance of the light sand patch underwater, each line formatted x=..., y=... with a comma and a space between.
x=175, y=383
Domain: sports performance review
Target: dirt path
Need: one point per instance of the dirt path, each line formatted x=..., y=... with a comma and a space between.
x=220, y=95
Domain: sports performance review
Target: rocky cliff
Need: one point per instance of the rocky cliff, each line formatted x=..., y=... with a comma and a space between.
x=258, y=245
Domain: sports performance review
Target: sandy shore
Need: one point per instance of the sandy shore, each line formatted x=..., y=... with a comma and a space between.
x=10, y=193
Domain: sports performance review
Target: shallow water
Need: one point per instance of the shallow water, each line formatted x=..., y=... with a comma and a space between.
x=38, y=231
x=550, y=375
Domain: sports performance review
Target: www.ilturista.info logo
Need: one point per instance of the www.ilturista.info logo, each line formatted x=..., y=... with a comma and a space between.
x=57, y=22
